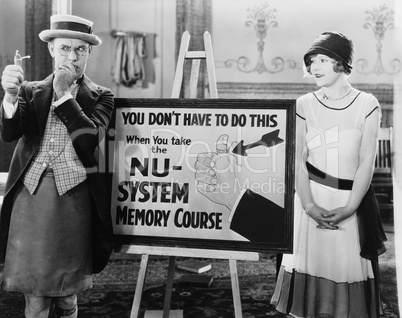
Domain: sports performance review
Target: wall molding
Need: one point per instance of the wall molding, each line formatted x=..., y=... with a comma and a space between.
x=383, y=92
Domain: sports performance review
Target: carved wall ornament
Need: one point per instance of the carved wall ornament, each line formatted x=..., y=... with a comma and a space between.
x=261, y=18
x=379, y=20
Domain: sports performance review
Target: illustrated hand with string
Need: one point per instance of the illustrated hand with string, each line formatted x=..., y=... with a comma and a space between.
x=215, y=174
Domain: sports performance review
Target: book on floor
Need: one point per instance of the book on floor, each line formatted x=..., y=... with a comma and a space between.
x=197, y=280
x=194, y=266
x=159, y=314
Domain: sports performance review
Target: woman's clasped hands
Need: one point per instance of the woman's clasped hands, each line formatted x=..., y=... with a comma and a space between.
x=320, y=215
x=330, y=219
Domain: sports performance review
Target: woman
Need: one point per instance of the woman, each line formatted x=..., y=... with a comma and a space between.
x=333, y=271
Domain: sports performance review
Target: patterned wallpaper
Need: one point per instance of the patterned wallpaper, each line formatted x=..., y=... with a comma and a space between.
x=264, y=41
x=379, y=20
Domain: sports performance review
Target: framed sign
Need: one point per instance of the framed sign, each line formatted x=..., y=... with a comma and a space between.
x=204, y=173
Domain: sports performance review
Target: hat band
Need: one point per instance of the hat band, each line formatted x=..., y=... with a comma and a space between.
x=323, y=50
x=71, y=26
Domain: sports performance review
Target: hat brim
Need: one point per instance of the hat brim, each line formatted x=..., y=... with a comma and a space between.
x=324, y=51
x=48, y=35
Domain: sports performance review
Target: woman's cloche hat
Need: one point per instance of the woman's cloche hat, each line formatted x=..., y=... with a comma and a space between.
x=70, y=26
x=332, y=44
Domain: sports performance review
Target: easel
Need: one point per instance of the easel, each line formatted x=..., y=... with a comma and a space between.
x=195, y=57
x=174, y=252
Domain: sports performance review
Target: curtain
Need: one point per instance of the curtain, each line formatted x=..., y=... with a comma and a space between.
x=129, y=67
x=37, y=18
x=193, y=16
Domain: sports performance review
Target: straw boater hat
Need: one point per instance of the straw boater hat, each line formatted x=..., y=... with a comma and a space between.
x=70, y=26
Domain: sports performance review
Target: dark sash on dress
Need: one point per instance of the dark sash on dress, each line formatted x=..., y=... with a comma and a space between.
x=371, y=232
x=324, y=178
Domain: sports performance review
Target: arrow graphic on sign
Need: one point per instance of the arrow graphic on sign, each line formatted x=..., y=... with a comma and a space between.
x=267, y=140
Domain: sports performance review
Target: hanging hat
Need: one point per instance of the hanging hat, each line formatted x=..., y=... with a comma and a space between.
x=332, y=44
x=70, y=26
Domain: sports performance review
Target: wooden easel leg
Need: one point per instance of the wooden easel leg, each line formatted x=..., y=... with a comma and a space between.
x=169, y=287
x=235, y=288
x=213, y=90
x=278, y=263
x=135, y=310
x=178, y=77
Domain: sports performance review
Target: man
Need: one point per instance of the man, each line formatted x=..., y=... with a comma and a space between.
x=55, y=223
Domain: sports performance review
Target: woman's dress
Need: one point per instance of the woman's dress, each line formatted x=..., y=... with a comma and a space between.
x=326, y=276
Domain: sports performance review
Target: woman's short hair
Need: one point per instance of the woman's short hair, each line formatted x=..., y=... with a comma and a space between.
x=339, y=65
